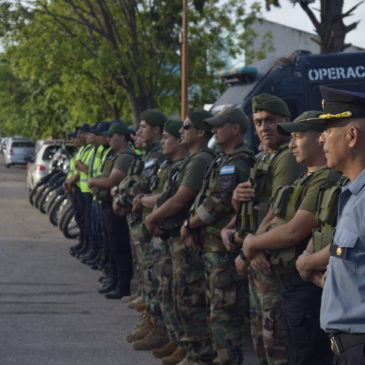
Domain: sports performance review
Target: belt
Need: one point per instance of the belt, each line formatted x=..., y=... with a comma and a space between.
x=340, y=342
x=292, y=279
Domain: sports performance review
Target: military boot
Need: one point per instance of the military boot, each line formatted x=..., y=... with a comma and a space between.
x=156, y=338
x=141, y=307
x=140, y=332
x=131, y=297
x=136, y=301
x=176, y=357
x=167, y=350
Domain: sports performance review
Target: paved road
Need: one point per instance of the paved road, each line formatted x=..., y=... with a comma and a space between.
x=50, y=311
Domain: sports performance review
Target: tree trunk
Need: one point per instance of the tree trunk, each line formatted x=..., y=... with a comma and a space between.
x=332, y=30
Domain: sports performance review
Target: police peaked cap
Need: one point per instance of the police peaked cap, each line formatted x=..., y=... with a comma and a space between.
x=302, y=123
x=198, y=118
x=154, y=117
x=340, y=104
x=173, y=127
x=270, y=103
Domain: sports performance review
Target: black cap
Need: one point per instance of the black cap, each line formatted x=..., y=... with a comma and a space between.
x=341, y=104
x=85, y=127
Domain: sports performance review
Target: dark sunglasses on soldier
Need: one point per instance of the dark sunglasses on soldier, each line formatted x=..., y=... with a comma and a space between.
x=187, y=126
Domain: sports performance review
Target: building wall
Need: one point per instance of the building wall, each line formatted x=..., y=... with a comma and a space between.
x=286, y=40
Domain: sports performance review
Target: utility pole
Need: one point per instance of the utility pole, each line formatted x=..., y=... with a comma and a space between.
x=184, y=61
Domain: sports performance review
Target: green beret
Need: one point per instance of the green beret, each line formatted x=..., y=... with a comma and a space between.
x=302, y=123
x=232, y=115
x=154, y=117
x=173, y=127
x=198, y=117
x=270, y=103
x=116, y=128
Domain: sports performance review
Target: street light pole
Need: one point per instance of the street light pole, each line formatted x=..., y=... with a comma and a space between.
x=184, y=61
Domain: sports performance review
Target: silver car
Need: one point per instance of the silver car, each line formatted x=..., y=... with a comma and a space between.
x=39, y=165
x=18, y=151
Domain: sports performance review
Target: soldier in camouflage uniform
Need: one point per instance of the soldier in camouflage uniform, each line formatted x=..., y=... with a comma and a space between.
x=139, y=182
x=274, y=167
x=113, y=170
x=223, y=303
x=293, y=207
x=176, y=152
x=173, y=207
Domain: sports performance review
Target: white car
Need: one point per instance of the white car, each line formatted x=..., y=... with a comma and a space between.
x=39, y=165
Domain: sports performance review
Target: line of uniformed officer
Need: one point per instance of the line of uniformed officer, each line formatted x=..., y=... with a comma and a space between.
x=195, y=216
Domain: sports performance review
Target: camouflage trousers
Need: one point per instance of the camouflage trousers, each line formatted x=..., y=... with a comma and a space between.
x=190, y=304
x=225, y=304
x=267, y=326
x=164, y=273
x=147, y=252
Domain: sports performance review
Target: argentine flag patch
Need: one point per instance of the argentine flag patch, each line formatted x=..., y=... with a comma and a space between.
x=229, y=169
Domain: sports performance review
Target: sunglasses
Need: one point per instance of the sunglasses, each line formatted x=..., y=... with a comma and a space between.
x=187, y=126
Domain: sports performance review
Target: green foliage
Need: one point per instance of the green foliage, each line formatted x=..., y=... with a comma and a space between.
x=75, y=61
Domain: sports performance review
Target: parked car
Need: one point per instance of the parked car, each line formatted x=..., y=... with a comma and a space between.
x=39, y=165
x=3, y=144
x=18, y=151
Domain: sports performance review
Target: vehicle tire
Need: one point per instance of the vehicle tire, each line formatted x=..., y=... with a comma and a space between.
x=33, y=194
x=68, y=224
x=52, y=197
x=7, y=165
x=53, y=212
x=45, y=198
x=39, y=195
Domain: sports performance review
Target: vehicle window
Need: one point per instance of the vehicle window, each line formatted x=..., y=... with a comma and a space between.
x=49, y=152
x=22, y=144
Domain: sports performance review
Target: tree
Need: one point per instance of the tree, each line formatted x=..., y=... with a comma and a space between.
x=329, y=25
x=87, y=60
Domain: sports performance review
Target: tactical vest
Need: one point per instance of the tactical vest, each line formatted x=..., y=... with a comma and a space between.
x=251, y=213
x=171, y=184
x=285, y=204
x=326, y=214
x=84, y=177
x=104, y=194
x=221, y=176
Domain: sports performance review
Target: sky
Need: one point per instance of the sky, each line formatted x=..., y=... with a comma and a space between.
x=294, y=16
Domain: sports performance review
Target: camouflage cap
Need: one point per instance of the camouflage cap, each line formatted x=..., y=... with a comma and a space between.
x=232, y=115
x=154, y=117
x=116, y=127
x=302, y=123
x=198, y=116
x=340, y=104
x=173, y=127
x=270, y=103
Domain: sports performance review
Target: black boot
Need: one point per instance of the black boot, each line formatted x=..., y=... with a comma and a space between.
x=108, y=287
x=123, y=287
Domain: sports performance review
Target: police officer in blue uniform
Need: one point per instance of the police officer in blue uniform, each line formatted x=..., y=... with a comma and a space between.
x=343, y=299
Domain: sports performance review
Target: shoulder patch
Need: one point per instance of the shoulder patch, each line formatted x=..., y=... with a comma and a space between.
x=149, y=164
x=228, y=169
